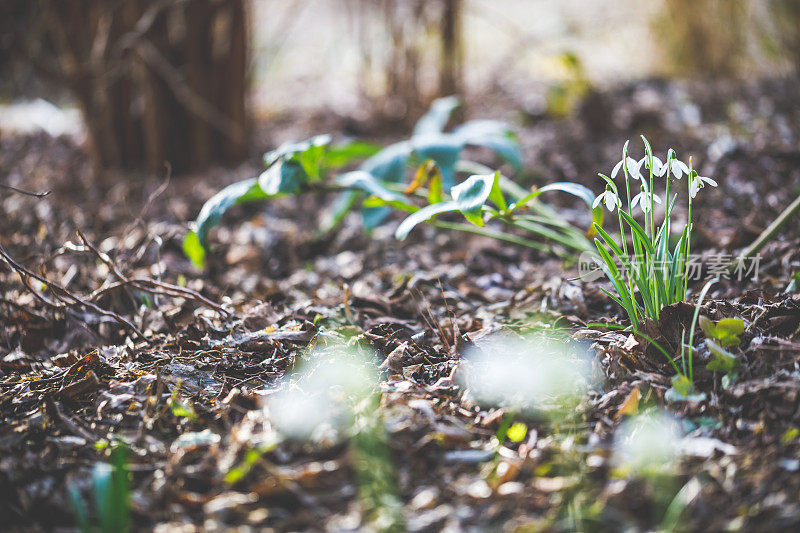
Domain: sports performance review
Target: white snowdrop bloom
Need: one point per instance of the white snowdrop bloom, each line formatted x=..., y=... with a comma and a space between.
x=659, y=168
x=609, y=198
x=633, y=166
x=299, y=413
x=648, y=442
x=318, y=397
x=643, y=200
x=697, y=182
x=679, y=168
x=526, y=373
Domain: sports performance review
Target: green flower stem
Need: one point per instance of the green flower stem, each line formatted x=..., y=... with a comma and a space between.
x=665, y=235
x=656, y=297
x=688, y=247
x=630, y=212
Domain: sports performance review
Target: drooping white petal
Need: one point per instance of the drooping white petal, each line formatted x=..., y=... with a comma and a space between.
x=616, y=170
x=679, y=168
x=634, y=168
x=694, y=186
x=698, y=182
x=708, y=180
x=656, y=198
x=658, y=167
x=612, y=202
x=637, y=200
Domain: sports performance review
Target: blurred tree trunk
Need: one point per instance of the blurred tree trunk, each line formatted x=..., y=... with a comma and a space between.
x=452, y=49
x=411, y=53
x=704, y=37
x=786, y=20
x=158, y=81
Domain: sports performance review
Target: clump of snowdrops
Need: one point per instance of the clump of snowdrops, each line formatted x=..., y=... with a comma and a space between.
x=647, y=274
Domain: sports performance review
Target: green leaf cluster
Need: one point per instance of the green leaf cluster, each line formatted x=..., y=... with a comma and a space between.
x=377, y=186
x=725, y=332
x=719, y=337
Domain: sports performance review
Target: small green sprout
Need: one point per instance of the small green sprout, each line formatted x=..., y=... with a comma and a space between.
x=112, y=495
x=725, y=332
x=179, y=408
x=719, y=337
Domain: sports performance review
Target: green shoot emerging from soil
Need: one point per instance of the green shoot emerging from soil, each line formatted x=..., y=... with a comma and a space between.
x=111, y=497
x=646, y=274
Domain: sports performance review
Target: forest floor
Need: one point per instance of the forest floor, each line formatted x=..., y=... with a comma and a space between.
x=178, y=364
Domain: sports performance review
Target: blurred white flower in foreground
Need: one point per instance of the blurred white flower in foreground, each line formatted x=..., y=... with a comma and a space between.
x=647, y=443
x=527, y=373
x=321, y=395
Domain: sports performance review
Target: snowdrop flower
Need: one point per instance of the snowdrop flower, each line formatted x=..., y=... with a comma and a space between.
x=527, y=372
x=678, y=167
x=609, y=198
x=659, y=168
x=648, y=442
x=697, y=182
x=631, y=164
x=316, y=399
x=643, y=200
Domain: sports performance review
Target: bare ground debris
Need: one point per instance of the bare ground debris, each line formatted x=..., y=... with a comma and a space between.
x=110, y=340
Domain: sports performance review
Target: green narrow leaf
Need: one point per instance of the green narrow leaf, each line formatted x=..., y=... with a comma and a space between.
x=619, y=285
x=358, y=179
x=424, y=214
x=212, y=211
x=435, y=190
x=611, y=243
x=79, y=509
x=390, y=163
x=289, y=150
x=496, y=195
x=283, y=177
x=575, y=189
x=372, y=217
x=640, y=233
x=470, y=196
x=614, y=298
x=336, y=213
x=344, y=154
x=585, y=194
x=193, y=250
x=120, y=510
